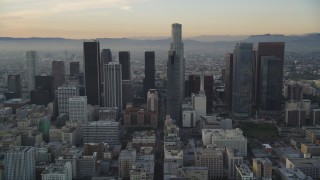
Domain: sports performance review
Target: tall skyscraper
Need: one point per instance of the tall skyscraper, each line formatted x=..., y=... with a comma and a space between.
x=58, y=73
x=127, y=93
x=32, y=61
x=124, y=60
x=270, y=86
x=74, y=68
x=175, y=74
x=113, y=85
x=78, y=109
x=295, y=91
x=106, y=57
x=228, y=80
x=242, y=79
x=149, y=71
x=20, y=163
x=91, y=71
x=275, y=49
x=14, y=85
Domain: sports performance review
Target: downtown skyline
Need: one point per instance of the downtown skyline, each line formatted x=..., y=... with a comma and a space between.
x=150, y=18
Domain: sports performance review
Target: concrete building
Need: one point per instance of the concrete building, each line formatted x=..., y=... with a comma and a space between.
x=199, y=101
x=78, y=109
x=294, y=91
x=313, y=135
x=309, y=148
x=144, y=138
x=310, y=167
x=189, y=118
x=304, y=104
x=193, y=173
x=108, y=113
x=58, y=73
x=292, y=174
x=212, y=159
x=175, y=73
x=295, y=117
x=63, y=94
x=126, y=160
x=152, y=100
x=262, y=168
x=113, y=85
x=214, y=122
x=19, y=163
x=57, y=172
x=32, y=61
x=225, y=138
x=139, y=117
x=144, y=165
x=244, y=172
x=101, y=132
x=233, y=159
x=99, y=148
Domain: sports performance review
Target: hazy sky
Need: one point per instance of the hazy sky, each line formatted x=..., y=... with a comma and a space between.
x=135, y=18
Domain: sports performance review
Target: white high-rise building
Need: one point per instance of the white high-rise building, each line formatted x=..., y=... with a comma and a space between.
x=175, y=73
x=113, y=85
x=58, y=172
x=20, y=163
x=78, y=109
x=199, y=101
x=152, y=100
x=32, y=61
x=63, y=95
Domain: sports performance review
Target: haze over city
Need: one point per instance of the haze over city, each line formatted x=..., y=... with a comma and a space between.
x=150, y=18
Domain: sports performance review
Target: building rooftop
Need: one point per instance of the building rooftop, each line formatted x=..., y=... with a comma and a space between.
x=244, y=170
x=54, y=169
x=293, y=174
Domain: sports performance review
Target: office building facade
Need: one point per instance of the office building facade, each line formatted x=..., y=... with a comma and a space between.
x=32, y=61
x=91, y=56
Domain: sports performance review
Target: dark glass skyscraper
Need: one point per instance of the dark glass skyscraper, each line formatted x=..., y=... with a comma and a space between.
x=124, y=60
x=91, y=54
x=58, y=73
x=228, y=80
x=149, y=72
x=74, y=68
x=242, y=79
x=175, y=74
x=14, y=85
x=270, y=89
x=275, y=49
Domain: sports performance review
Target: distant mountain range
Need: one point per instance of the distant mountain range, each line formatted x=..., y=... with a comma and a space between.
x=202, y=44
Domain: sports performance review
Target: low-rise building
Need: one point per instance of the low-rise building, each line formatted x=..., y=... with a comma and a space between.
x=244, y=172
x=57, y=172
x=212, y=159
x=226, y=138
x=310, y=167
x=309, y=148
x=262, y=168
